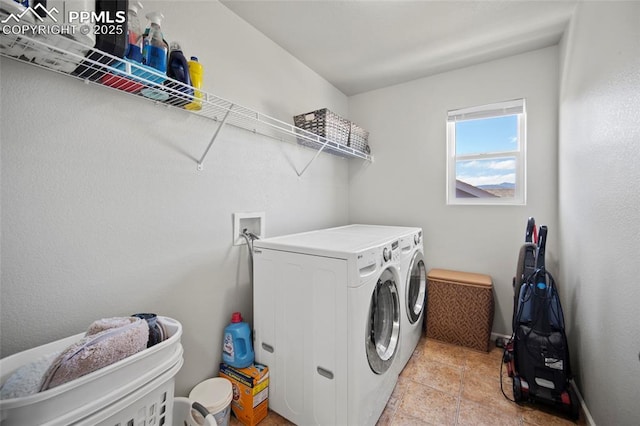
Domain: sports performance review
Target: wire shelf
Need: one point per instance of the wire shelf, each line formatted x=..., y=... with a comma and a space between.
x=67, y=56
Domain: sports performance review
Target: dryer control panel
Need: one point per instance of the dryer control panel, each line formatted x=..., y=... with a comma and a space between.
x=408, y=242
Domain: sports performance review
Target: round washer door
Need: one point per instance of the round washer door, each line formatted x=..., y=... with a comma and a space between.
x=416, y=287
x=383, y=325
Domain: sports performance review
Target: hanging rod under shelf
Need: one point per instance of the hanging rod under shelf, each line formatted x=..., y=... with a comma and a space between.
x=66, y=56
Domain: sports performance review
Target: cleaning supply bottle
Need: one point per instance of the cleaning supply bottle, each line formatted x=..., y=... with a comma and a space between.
x=154, y=50
x=134, y=30
x=237, y=349
x=178, y=69
x=195, y=72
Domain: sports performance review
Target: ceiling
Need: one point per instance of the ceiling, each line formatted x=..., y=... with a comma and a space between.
x=362, y=45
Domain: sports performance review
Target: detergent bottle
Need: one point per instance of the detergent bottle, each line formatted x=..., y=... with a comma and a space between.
x=178, y=69
x=237, y=349
x=195, y=74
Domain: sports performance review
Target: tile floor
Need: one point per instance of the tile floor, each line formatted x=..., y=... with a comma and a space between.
x=445, y=384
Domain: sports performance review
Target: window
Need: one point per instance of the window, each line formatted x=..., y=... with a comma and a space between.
x=486, y=154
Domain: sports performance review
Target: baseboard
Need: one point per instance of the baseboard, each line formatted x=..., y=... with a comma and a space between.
x=585, y=410
x=495, y=336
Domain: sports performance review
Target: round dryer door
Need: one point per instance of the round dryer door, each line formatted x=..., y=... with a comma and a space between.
x=416, y=287
x=383, y=326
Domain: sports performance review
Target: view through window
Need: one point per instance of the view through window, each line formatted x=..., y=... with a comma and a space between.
x=486, y=154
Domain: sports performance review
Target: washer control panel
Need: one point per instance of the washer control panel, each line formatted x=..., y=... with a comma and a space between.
x=386, y=254
x=395, y=250
x=391, y=252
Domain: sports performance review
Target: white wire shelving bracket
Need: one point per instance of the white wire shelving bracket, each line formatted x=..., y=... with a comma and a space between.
x=66, y=56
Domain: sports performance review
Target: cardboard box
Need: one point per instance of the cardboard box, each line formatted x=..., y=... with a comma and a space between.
x=250, y=392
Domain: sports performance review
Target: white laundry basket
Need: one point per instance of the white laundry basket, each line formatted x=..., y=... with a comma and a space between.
x=144, y=380
x=151, y=404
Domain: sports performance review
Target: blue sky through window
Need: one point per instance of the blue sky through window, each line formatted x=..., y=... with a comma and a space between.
x=484, y=136
x=498, y=134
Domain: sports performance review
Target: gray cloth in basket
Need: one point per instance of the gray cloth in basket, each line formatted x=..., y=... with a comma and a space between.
x=107, y=341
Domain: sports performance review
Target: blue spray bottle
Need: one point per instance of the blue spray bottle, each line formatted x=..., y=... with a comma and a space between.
x=237, y=349
x=154, y=48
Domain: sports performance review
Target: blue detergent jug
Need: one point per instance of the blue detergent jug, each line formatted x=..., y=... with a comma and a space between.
x=237, y=349
x=178, y=69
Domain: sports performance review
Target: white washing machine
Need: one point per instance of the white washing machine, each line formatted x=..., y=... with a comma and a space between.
x=327, y=320
x=413, y=291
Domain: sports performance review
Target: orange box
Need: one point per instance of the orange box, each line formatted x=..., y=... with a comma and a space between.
x=250, y=392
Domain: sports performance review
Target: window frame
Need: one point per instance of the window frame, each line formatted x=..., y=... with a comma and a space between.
x=499, y=109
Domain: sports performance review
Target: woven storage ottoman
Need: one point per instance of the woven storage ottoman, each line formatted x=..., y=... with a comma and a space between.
x=460, y=308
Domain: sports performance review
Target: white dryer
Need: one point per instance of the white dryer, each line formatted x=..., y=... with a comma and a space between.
x=413, y=282
x=327, y=319
x=413, y=291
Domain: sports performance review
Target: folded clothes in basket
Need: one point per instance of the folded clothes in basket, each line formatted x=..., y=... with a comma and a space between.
x=107, y=341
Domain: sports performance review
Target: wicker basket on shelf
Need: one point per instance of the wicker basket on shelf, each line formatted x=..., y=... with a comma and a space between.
x=359, y=138
x=325, y=123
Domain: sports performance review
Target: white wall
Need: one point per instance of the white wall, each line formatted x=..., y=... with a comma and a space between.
x=599, y=153
x=103, y=210
x=406, y=183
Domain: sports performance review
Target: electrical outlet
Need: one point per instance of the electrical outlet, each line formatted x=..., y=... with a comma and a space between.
x=253, y=222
